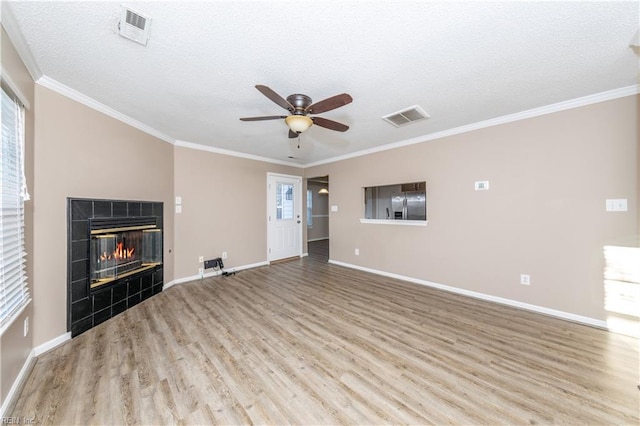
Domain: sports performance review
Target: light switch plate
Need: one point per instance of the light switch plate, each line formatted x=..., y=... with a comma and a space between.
x=616, y=205
x=334, y=208
x=178, y=200
x=178, y=209
x=482, y=185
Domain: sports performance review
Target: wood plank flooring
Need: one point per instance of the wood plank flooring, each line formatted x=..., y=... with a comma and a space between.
x=306, y=342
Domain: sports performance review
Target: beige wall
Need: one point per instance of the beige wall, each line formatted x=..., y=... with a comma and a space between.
x=14, y=346
x=80, y=152
x=223, y=209
x=543, y=215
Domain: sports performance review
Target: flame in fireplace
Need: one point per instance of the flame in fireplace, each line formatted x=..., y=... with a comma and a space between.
x=121, y=252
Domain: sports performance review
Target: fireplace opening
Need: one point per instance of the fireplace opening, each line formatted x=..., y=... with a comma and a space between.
x=121, y=251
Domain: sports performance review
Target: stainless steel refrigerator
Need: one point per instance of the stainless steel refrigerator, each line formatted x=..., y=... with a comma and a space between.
x=409, y=205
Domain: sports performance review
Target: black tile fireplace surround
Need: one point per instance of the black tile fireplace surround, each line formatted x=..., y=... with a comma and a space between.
x=89, y=305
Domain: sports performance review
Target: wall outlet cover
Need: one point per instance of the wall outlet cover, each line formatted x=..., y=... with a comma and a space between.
x=616, y=205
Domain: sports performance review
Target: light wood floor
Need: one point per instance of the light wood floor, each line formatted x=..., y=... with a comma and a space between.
x=305, y=342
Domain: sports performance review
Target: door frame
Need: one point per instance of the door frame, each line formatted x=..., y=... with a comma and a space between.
x=297, y=212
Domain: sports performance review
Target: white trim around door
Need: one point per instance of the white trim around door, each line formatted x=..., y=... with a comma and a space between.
x=284, y=216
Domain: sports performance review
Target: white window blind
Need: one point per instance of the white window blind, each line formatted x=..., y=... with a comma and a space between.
x=14, y=293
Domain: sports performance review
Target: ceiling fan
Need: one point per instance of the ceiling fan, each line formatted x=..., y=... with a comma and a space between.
x=299, y=107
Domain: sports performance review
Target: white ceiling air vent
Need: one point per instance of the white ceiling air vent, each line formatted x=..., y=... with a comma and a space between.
x=406, y=116
x=134, y=26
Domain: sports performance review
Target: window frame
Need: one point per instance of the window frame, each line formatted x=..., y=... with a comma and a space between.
x=14, y=288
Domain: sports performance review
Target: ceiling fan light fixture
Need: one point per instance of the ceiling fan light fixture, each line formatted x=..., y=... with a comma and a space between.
x=298, y=123
x=323, y=191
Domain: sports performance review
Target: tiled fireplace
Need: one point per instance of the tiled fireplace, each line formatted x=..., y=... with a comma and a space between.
x=115, y=255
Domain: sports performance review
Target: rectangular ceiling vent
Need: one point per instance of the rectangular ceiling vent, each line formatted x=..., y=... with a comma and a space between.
x=134, y=26
x=406, y=116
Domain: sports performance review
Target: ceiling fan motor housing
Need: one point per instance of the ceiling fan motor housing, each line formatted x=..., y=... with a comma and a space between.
x=299, y=102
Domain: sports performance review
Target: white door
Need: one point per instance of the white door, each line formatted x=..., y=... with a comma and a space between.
x=284, y=216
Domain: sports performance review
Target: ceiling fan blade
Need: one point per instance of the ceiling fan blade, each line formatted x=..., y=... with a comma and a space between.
x=275, y=97
x=330, y=103
x=292, y=134
x=268, y=117
x=330, y=124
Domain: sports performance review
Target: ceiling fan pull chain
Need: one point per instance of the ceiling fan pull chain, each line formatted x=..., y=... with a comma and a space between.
x=298, y=140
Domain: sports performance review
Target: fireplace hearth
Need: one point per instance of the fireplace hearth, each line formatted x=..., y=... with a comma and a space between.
x=115, y=255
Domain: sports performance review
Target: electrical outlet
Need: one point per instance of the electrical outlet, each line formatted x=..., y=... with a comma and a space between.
x=525, y=279
x=224, y=254
x=201, y=259
x=357, y=252
x=26, y=326
x=201, y=272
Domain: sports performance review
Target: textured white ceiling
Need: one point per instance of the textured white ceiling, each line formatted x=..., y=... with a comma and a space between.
x=463, y=62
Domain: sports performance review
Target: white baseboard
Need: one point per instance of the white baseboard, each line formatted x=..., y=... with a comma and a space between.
x=26, y=369
x=51, y=344
x=509, y=302
x=17, y=385
x=213, y=274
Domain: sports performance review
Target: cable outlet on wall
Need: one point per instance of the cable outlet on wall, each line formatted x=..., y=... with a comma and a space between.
x=525, y=279
x=224, y=254
x=201, y=259
x=201, y=272
x=357, y=251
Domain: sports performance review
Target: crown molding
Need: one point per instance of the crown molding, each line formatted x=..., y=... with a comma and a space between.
x=15, y=88
x=10, y=25
x=221, y=151
x=70, y=93
x=535, y=112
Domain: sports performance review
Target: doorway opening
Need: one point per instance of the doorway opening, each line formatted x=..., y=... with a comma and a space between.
x=317, y=214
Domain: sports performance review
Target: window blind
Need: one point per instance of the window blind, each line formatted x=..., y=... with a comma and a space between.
x=14, y=293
